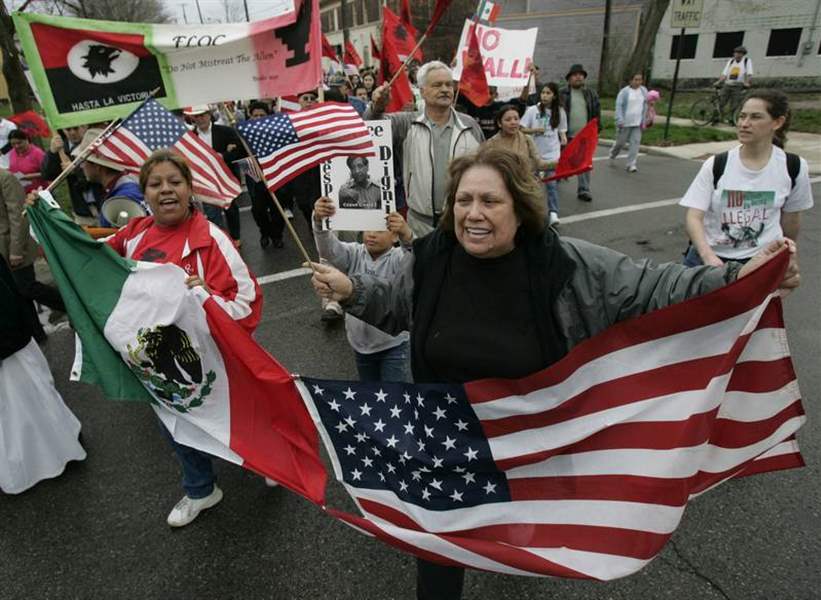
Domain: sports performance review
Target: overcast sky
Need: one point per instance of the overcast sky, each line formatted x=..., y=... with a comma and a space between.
x=215, y=9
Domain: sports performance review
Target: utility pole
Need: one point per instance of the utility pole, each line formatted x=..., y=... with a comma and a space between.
x=343, y=19
x=247, y=16
x=604, y=47
x=199, y=11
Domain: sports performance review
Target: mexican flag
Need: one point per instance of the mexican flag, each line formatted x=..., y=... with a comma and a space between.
x=87, y=71
x=143, y=335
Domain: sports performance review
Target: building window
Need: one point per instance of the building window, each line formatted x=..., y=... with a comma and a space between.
x=373, y=10
x=784, y=42
x=725, y=42
x=327, y=21
x=689, y=49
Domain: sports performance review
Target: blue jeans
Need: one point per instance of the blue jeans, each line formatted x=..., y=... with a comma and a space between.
x=552, y=188
x=197, y=471
x=392, y=364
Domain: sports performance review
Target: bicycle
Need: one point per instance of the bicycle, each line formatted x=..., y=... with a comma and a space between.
x=708, y=111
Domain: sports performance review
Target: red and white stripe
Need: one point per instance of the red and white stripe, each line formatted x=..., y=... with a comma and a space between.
x=603, y=450
x=329, y=130
x=213, y=182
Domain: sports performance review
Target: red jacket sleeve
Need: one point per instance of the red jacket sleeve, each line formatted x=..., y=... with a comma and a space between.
x=231, y=283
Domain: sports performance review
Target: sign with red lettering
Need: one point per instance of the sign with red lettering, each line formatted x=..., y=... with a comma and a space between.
x=507, y=53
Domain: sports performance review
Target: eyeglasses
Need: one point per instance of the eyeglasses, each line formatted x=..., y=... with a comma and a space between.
x=307, y=97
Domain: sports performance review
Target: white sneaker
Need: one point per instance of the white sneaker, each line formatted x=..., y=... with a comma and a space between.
x=553, y=218
x=188, y=509
x=632, y=169
x=271, y=483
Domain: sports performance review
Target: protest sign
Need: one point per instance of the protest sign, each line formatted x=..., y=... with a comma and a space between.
x=87, y=71
x=362, y=189
x=507, y=53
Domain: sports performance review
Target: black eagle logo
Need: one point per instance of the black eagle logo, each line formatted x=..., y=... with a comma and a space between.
x=400, y=32
x=99, y=58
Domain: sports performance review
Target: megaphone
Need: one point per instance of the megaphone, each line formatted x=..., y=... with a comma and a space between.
x=120, y=210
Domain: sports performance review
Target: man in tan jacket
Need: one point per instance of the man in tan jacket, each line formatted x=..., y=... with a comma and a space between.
x=19, y=249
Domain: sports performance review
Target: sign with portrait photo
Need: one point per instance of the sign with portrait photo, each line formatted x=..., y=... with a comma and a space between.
x=362, y=188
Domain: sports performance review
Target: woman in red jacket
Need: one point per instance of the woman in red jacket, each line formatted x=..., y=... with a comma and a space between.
x=178, y=233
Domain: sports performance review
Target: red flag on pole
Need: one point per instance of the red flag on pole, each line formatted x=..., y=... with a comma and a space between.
x=390, y=63
x=578, y=156
x=396, y=33
x=328, y=50
x=375, y=52
x=33, y=124
x=473, y=84
x=438, y=12
x=405, y=16
x=352, y=56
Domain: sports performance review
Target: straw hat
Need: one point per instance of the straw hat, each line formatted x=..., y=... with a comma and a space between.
x=88, y=138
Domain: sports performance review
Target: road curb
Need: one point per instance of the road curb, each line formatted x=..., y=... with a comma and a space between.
x=651, y=149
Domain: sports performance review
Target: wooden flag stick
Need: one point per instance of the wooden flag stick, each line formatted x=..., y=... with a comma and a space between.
x=84, y=154
x=291, y=230
x=408, y=59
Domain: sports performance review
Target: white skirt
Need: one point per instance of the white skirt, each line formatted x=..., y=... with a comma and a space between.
x=38, y=433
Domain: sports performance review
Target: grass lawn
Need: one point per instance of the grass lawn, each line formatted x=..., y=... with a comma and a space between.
x=679, y=135
x=803, y=119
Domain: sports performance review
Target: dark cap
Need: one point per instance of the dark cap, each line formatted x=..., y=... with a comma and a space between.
x=741, y=49
x=577, y=68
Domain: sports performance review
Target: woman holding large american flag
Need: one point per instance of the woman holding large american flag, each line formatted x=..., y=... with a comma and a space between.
x=494, y=293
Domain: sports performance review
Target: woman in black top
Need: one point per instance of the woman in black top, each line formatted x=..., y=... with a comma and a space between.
x=493, y=293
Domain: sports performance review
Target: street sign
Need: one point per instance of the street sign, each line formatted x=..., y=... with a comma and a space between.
x=686, y=13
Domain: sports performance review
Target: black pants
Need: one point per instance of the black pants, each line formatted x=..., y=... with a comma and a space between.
x=35, y=291
x=232, y=219
x=438, y=582
x=265, y=213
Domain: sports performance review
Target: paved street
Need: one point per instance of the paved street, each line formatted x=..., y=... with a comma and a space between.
x=99, y=530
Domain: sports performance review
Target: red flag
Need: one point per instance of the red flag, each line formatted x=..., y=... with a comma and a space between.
x=616, y=437
x=396, y=33
x=375, y=52
x=405, y=16
x=578, y=156
x=351, y=55
x=32, y=123
x=438, y=12
x=473, y=84
x=328, y=50
x=389, y=64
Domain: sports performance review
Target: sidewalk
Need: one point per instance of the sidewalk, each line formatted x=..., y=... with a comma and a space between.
x=807, y=145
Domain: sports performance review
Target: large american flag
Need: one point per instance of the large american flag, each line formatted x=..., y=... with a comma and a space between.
x=152, y=127
x=288, y=144
x=581, y=470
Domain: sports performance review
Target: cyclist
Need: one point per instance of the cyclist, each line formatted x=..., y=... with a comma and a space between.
x=745, y=198
x=735, y=79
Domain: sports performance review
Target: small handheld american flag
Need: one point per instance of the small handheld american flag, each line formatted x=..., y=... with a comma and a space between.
x=288, y=144
x=152, y=127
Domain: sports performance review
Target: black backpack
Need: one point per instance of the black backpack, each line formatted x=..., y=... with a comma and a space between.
x=720, y=163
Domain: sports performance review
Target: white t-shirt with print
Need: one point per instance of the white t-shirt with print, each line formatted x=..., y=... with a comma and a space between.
x=743, y=213
x=736, y=72
x=547, y=143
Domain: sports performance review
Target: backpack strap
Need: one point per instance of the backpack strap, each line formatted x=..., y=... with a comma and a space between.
x=793, y=167
x=719, y=164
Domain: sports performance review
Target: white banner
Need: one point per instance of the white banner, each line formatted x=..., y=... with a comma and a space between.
x=507, y=53
x=361, y=188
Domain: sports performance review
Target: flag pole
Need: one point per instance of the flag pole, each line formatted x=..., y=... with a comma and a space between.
x=281, y=210
x=94, y=145
x=84, y=154
x=408, y=59
x=273, y=196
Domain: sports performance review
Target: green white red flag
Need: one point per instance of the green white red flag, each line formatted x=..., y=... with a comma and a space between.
x=88, y=71
x=145, y=336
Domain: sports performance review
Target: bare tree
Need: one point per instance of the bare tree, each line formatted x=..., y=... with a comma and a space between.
x=641, y=57
x=134, y=11
x=19, y=93
x=233, y=10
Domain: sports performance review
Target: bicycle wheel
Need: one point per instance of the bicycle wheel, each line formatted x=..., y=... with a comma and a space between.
x=702, y=112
